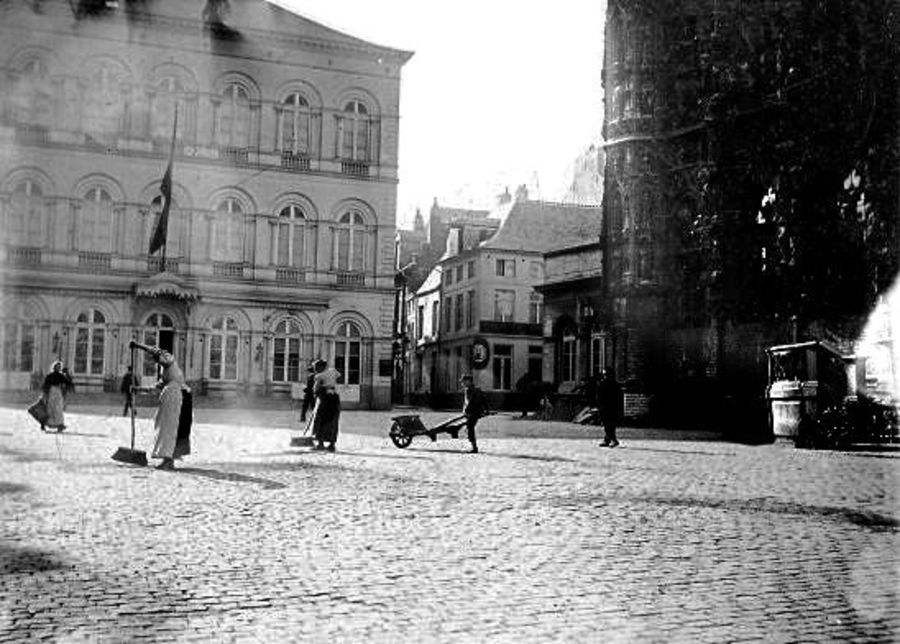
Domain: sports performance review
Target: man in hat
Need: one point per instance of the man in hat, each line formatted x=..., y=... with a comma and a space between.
x=610, y=407
x=474, y=407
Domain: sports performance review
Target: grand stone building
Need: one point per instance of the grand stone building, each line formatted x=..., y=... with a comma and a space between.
x=281, y=232
x=750, y=189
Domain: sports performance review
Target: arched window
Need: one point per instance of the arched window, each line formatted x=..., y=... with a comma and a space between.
x=296, y=125
x=17, y=345
x=287, y=351
x=353, y=132
x=26, y=215
x=350, y=242
x=103, y=103
x=90, y=341
x=95, y=227
x=290, y=242
x=32, y=97
x=228, y=231
x=223, y=349
x=233, y=122
x=347, y=351
x=159, y=331
x=170, y=93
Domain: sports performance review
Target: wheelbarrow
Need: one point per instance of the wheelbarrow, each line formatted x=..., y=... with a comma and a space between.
x=404, y=428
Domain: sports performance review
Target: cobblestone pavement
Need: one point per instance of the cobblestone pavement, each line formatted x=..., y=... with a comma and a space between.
x=535, y=539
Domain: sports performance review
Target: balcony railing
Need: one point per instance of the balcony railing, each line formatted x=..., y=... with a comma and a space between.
x=154, y=265
x=294, y=275
x=237, y=156
x=23, y=255
x=95, y=261
x=351, y=279
x=228, y=269
x=291, y=161
x=31, y=134
x=355, y=168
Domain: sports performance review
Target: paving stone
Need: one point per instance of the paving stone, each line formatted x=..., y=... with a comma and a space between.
x=535, y=540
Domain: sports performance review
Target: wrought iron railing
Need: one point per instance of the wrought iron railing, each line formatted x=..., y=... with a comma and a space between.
x=228, y=269
x=23, y=255
x=296, y=275
x=351, y=279
x=355, y=168
x=94, y=260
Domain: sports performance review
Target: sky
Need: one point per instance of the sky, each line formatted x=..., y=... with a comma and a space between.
x=498, y=92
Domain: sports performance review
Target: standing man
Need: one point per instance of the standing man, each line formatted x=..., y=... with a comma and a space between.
x=130, y=382
x=474, y=407
x=309, y=394
x=610, y=407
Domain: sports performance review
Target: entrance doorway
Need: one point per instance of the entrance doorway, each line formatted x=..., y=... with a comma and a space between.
x=159, y=331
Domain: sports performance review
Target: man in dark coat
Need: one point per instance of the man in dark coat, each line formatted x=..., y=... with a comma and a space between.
x=610, y=407
x=129, y=382
x=309, y=395
x=474, y=407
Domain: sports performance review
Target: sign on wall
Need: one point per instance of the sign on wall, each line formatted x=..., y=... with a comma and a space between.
x=481, y=353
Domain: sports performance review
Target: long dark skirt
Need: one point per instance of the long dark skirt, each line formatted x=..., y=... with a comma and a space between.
x=328, y=413
x=185, y=421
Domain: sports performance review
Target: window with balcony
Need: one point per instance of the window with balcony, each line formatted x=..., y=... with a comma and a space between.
x=94, y=232
x=535, y=308
x=350, y=240
x=353, y=131
x=26, y=215
x=90, y=343
x=295, y=129
x=504, y=305
x=233, y=120
x=291, y=238
x=170, y=94
x=104, y=102
x=224, y=343
x=347, y=353
x=287, y=349
x=227, y=244
x=32, y=100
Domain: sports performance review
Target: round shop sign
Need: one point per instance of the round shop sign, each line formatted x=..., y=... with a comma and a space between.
x=481, y=353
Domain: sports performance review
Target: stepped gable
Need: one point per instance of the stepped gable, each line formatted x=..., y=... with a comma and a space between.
x=545, y=226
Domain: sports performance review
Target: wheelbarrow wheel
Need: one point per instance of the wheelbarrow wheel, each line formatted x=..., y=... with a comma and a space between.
x=398, y=437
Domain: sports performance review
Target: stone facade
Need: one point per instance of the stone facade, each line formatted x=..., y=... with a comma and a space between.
x=731, y=131
x=282, y=224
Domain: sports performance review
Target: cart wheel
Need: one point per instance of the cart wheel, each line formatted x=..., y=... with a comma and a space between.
x=398, y=437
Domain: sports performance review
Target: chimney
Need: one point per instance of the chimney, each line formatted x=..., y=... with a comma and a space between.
x=505, y=197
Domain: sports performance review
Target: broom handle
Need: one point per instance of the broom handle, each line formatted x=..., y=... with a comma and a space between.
x=131, y=394
x=145, y=347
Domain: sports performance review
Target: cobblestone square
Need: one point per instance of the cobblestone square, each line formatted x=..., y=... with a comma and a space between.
x=536, y=539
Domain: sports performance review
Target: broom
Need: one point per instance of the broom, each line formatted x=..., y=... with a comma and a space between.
x=129, y=454
x=305, y=439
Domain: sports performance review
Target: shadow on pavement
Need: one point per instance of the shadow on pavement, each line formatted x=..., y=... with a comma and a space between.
x=25, y=457
x=673, y=451
x=861, y=518
x=304, y=452
x=234, y=477
x=524, y=457
x=16, y=561
x=13, y=488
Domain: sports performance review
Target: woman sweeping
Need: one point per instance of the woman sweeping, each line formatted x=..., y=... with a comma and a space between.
x=328, y=405
x=168, y=445
x=56, y=386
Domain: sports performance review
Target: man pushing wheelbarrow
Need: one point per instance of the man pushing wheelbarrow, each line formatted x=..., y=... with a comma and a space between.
x=474, y=407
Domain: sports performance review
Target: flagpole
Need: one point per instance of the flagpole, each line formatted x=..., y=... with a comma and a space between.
x=169, y=197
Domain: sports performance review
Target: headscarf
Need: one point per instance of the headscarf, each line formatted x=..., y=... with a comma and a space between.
x=54, y=364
